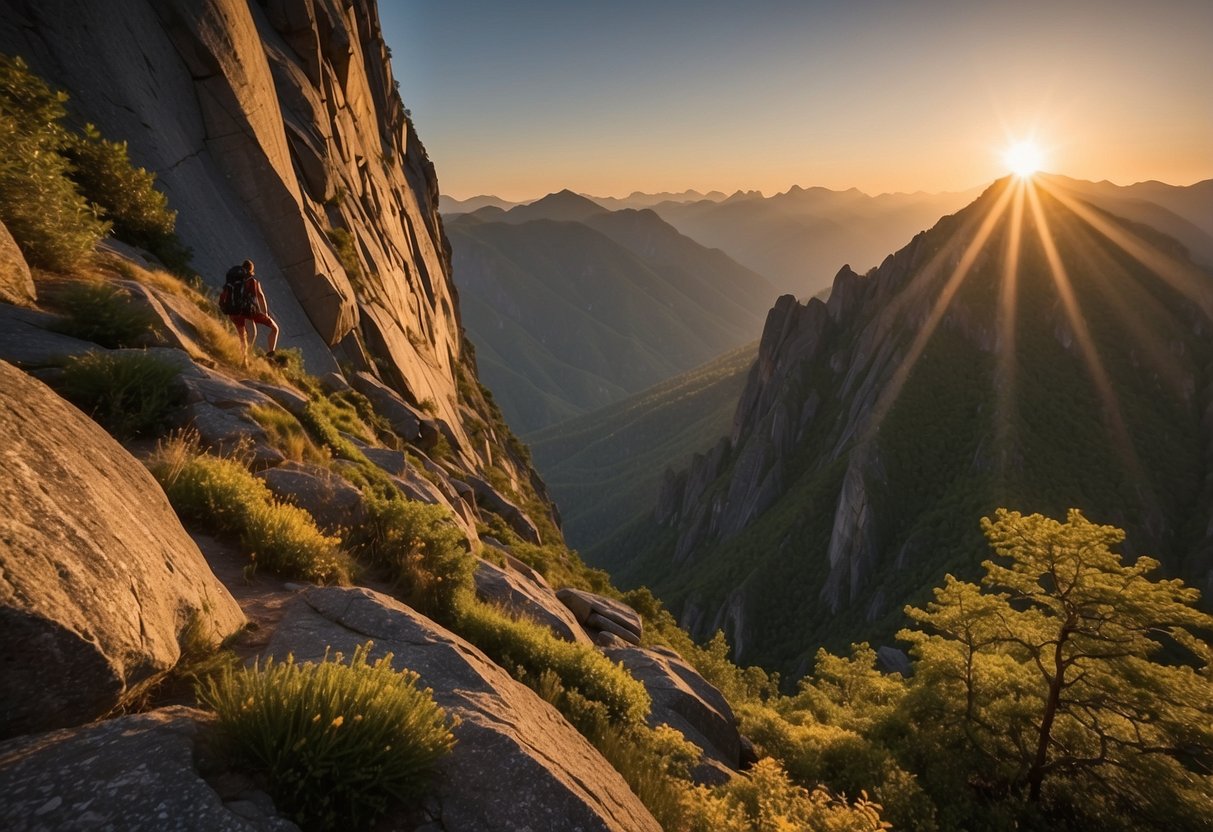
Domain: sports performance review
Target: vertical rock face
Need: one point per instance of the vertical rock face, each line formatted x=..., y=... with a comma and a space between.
x=277, y=133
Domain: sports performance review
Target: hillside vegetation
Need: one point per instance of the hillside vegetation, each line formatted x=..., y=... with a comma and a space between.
x=604, y=469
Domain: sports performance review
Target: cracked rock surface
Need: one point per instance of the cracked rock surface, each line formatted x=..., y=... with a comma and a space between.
x=532, y=769
x=134, y=772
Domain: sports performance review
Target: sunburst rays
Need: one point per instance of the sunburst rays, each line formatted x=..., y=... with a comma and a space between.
x=1112, y=412
x=893, y=389
x=1019, y=199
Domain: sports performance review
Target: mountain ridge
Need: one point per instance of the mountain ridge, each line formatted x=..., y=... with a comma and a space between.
x=816, y=474
x=569, y=316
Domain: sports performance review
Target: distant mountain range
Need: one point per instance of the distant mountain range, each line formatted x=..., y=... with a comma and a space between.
x=1032, y=351
x=800, y=238
x=572, y=307
x=449, y=206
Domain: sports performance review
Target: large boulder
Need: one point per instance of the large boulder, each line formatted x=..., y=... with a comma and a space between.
x=517, y=764
x=16, y=284
x=328, y=497
x=135, y=772
x=526, y=593
x=491, y=499
x=603, y=614
x=409, y=422
x=97, y=577
x=684, y=700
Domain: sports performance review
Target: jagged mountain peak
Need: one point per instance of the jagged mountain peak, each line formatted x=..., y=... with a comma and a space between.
x=874, y=431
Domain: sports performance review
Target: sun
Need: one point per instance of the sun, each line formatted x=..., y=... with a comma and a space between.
x=1024, y=158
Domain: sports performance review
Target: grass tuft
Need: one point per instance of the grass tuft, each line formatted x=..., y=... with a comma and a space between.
x=130, y=393
x=421, y=548
x=337, y=742
x=530, y=649
x=223, y=495
x=104, y=314
x=287, y=434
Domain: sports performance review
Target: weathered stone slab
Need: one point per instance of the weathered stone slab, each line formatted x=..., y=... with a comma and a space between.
x=684, y=700
x=134, y=772
x=27, y=339
x=328, y=497
x=517, y=764
x=522, y=595
x=584, y=604
x=492, y=500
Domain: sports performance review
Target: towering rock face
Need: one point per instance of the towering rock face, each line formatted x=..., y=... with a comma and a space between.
x=1030, y=351
x=277, y=133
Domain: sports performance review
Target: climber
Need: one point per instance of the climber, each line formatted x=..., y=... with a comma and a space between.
x=243, y=301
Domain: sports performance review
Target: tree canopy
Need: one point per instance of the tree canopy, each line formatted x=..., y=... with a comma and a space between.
x=1078, y=683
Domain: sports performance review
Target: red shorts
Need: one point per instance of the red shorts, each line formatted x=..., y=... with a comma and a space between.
x=256, y=317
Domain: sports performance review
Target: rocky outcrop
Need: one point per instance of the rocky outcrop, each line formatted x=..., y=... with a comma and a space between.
x=134, y=772
x=99, y=577
x=684, y=700
x=599, y=614
x=28, y=339
x=526, y=593
x=529, y=768
x=327, y=497
x=410, y=423
x=16, y=285
x=490, y=499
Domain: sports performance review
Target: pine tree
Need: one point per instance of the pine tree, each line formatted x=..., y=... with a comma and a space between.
x=1079, y=683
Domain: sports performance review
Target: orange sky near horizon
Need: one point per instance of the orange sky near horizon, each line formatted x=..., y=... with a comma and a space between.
x=519, y=100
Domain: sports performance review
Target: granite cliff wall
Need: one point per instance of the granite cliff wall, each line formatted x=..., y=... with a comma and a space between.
x=275, y=129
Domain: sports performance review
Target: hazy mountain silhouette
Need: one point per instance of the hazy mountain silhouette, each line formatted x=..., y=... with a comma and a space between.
x=1185, y=213
x=799, y=238
x=639, y=199
x=449, y=206
x=564, y=206
x=876, y=429
x=569, y=316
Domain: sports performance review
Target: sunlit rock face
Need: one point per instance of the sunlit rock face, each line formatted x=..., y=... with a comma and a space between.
x=877, y=429
x=277, y=133
x=98, y=579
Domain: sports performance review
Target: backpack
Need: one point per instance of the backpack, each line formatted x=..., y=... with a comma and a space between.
x=237, y=296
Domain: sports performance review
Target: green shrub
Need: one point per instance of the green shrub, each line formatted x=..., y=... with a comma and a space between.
x=316, y=420
x=53, y=224
x=530, y=649
x=422, y=550
x=130, y=393
x=223, y=494
x=104, y=314
x=337, y=742
x=347, y=253
x=126, y=196
x=768, y=800
x=286, y=433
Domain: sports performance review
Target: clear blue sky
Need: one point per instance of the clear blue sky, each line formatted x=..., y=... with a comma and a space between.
x=520, y=99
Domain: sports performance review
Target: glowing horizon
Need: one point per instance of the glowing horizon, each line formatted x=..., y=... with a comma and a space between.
x=524, y=99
